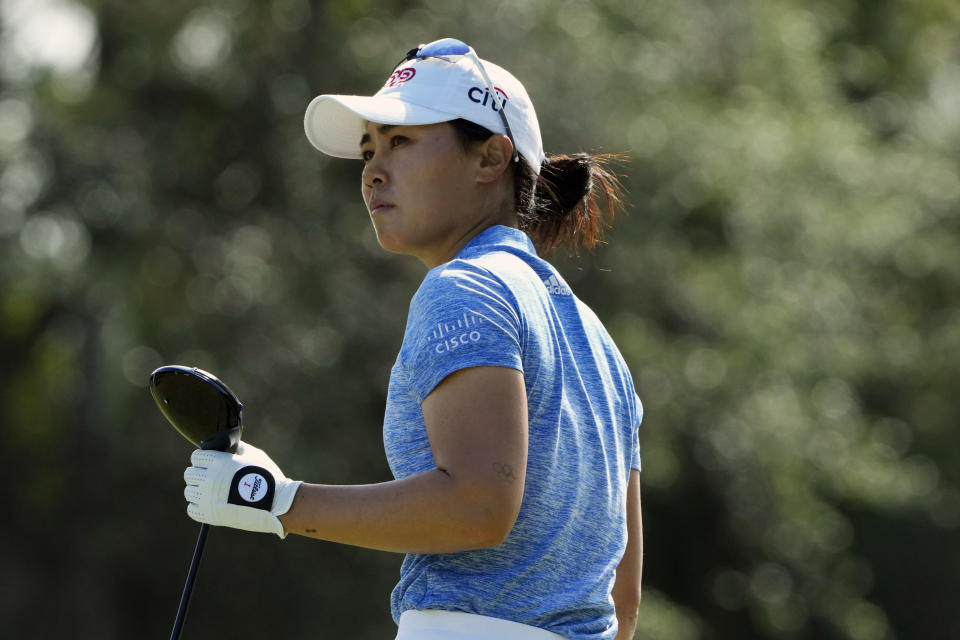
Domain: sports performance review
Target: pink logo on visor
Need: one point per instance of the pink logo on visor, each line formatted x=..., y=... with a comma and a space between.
x=400, y=76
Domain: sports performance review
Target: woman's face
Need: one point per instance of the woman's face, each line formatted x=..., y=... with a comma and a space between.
x=417, y=184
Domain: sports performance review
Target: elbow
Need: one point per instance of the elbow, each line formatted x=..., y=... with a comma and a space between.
x=495, y=518
x=492, y=528
x=485, y=515
x=628, y=605
x=486, y=541
x=626, y=599
x=499, y=530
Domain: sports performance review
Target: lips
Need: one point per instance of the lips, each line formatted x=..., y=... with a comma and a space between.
x=378, y=206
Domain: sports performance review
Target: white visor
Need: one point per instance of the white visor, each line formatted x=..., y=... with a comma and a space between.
x=427, y=91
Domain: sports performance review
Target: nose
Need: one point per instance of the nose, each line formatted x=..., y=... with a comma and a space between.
x=373, y=173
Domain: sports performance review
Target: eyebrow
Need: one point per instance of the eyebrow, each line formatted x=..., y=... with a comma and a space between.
x=383, y=128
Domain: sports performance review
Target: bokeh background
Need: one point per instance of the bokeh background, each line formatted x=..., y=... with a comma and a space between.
x=784, y=288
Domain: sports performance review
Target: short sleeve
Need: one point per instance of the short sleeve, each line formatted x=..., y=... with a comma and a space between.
x=635, y=458
x=462, y=316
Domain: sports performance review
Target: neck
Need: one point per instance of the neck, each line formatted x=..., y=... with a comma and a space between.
x=441, y=257
x=495, y=208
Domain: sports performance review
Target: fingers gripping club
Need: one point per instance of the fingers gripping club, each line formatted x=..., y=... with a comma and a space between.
x=245, y=490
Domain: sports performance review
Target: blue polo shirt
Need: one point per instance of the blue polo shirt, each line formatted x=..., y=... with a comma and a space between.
x=498, y=304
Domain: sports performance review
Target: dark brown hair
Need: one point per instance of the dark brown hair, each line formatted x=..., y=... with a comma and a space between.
x=569, y=203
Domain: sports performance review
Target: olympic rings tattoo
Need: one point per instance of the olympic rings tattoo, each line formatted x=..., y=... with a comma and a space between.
x=505, y=470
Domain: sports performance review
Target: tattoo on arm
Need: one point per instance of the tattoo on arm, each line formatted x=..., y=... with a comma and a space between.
x=505, y=471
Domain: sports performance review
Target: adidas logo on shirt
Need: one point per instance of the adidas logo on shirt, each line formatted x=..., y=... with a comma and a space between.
x=557, y=288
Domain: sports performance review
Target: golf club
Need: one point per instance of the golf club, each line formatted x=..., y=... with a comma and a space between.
x=208, y=414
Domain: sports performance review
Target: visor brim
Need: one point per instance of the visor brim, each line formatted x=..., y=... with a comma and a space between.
x=334, y=124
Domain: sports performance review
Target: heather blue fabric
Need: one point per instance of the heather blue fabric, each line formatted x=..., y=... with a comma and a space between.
x=498, y=304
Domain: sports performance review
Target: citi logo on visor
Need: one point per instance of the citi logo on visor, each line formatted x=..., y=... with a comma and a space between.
x=481, y=95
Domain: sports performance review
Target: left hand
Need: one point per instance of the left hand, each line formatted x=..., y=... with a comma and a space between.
x=245, y=490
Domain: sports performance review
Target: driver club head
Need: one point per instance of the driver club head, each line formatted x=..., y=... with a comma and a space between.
x=198, y=405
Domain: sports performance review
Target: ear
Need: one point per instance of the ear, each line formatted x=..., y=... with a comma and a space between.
x=496, y=153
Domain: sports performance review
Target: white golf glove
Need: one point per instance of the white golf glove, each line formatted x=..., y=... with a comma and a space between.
x=245, y=490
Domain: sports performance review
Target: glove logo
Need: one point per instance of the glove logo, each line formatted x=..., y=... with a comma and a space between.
x=252, y=487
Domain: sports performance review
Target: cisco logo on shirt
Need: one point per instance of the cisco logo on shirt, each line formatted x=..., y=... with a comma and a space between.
x=451, y=334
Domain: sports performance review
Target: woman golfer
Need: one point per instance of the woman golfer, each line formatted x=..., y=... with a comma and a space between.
x=511, y=420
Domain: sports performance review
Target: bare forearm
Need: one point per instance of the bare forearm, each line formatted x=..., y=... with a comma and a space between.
x=429, y=512
x=626, y=588
x=626, y=623
x=626, y=594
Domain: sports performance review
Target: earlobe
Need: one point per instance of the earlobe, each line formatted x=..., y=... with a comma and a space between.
x=495, y=155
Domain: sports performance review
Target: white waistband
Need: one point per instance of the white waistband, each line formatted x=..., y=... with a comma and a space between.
x=455, y=625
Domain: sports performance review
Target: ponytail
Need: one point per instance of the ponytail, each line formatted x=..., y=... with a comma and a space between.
x=568, y=203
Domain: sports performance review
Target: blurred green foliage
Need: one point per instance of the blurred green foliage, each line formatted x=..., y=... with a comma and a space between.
x=785, y=288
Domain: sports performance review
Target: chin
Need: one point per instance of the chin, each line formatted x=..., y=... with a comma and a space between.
x=391, y=247
x=390, y=240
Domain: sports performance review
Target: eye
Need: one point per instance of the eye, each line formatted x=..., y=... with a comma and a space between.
x=397, y=140
x=367, y=155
